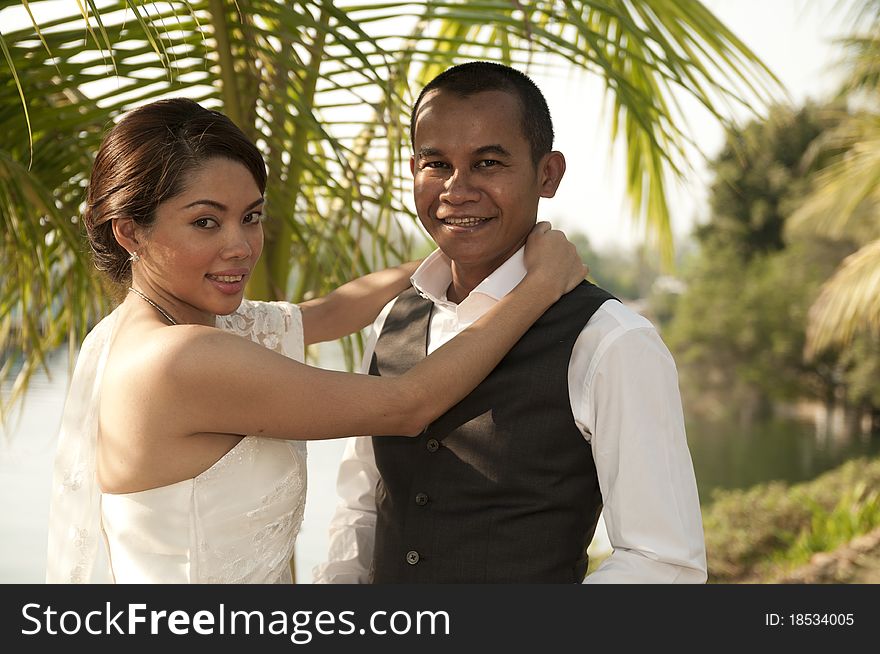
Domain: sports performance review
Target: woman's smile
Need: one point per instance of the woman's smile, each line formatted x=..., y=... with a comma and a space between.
x=229, y=282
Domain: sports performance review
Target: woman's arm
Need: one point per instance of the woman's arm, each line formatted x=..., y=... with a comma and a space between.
x=354, y=305
x=223, y=384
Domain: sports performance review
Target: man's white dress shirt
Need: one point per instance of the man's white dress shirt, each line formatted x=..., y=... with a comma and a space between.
x=623, y=389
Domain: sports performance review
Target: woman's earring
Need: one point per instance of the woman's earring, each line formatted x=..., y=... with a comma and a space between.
x=134, y=258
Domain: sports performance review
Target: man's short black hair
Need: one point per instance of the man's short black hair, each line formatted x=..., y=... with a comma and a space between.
x=478, y=76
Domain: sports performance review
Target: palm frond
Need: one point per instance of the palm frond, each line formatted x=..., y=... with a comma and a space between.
x=49, y=295
x=324, y=88
x=845, y=201
x=848, y=303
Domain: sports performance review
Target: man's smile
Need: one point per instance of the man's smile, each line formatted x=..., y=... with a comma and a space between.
x=463, y=222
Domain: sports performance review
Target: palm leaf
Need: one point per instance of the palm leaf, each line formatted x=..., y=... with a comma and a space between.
x=848, y=303
x=845, y=199
x=325, y=88
x=845, y=205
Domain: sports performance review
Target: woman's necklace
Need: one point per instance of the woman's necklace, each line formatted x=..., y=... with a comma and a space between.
x=154, y=305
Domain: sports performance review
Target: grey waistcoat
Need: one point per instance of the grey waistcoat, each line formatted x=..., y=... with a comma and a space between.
x=501, y=488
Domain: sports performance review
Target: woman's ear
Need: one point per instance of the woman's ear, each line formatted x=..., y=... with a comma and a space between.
x=125, y=232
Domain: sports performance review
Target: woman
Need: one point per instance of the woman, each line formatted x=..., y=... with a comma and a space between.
x=182, y=445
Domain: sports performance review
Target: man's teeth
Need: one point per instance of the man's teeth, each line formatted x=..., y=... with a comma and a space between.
x=230, y=279
x=464, y=222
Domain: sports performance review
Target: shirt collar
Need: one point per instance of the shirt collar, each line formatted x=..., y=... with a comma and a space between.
x=433, y=277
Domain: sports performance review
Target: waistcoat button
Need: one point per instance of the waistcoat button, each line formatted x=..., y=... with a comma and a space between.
x=421, y=499
x=433, y=445
x=412, y=557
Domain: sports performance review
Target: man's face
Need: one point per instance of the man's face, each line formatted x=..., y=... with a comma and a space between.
x=476, y=187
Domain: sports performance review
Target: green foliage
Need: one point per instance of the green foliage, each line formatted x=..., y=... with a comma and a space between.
x=856, y=513
x=740, y=330
x=743, y=527
x=740, y=327
x=761, y=177
x=861, y=361
x=754, y=534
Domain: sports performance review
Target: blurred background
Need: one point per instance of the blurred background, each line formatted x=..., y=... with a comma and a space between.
x=723, y=166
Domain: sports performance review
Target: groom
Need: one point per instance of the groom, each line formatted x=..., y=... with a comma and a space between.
x=582, y=415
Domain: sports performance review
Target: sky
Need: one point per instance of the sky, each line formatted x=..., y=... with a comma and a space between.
x=793, y=37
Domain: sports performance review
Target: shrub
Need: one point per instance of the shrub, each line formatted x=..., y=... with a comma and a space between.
x=751, y=532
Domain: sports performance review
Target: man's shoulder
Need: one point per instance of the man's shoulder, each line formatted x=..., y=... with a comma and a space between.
x=617, y=314
x=609, y=313
x=613, y=320
x=618, y=335
x=589, y=291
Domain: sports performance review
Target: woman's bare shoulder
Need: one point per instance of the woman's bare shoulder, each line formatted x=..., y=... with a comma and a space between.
x=144, y=357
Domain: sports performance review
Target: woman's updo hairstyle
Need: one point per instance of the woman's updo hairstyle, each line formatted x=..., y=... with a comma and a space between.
x=143, y=161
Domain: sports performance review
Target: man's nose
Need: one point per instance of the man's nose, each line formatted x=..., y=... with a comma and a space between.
x=459, y=187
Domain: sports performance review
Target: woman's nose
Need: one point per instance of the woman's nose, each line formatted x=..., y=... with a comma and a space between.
x=238, y=246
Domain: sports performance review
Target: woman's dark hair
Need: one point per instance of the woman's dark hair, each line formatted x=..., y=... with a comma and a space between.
x=478, y=76
x=143, y=161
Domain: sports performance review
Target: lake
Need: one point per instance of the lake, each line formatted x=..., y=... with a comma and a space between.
x=725, y=454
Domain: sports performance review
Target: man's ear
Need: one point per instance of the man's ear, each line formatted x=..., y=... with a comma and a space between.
x=125, y=232
x=551, y=169
x=412, y=165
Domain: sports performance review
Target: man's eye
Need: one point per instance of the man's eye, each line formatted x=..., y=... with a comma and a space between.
x=488, y=163
x=433, y=164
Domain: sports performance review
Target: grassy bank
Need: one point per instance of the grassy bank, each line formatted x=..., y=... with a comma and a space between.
x=761, y=533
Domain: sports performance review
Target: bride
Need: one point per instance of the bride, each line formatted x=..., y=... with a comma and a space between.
x=181, y=456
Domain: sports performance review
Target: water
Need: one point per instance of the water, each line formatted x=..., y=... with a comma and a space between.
x=728, y=455
x=725, y=455
x=27, y=447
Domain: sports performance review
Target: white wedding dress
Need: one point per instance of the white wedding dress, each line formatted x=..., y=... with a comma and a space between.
x=236, y=522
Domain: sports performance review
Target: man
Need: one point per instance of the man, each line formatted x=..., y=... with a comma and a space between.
x=584, y=412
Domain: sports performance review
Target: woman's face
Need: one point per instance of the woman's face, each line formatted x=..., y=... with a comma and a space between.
x=198, y=255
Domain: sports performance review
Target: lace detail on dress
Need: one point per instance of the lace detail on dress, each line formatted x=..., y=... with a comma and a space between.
x=285, y=528
x=243, y=452
x=268, y=531
x=271, y=324
x=83, y=544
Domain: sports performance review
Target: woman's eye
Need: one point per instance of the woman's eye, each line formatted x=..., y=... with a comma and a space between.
x=205, y=223
x=253, y=217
